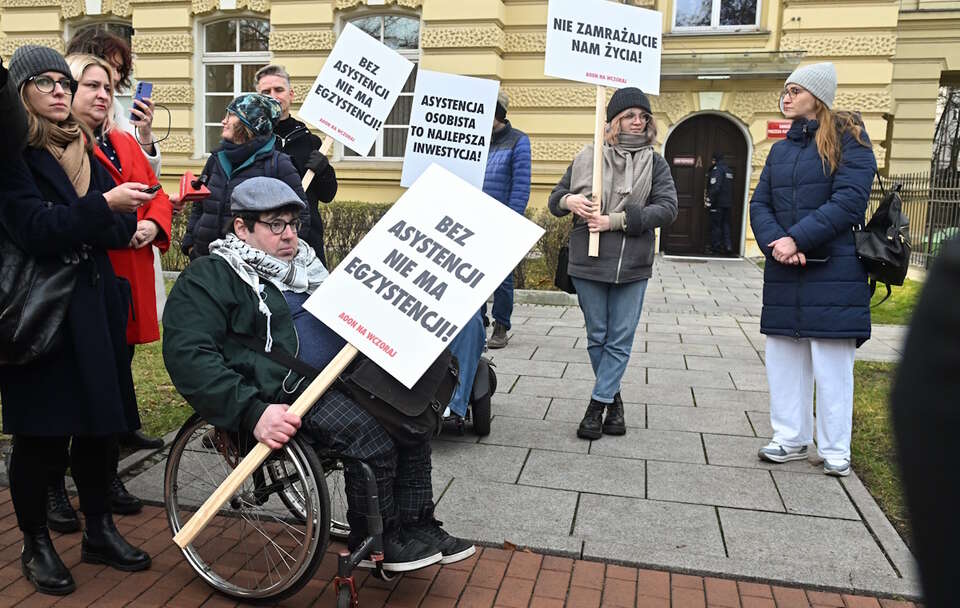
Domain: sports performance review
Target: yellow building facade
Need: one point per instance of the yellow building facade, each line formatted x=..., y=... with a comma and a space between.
x=723, y=67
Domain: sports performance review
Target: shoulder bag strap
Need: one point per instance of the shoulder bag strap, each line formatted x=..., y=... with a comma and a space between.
x=276, y=354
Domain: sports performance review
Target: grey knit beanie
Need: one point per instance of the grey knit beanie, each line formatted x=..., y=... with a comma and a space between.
x=819, y=78
x=627, y=97
x=30, y=60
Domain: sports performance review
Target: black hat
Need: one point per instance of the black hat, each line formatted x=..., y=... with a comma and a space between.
x=629, y=97
x=718, y=156
x=31, y=60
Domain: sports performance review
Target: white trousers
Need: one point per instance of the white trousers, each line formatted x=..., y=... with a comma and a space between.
x=793, y=368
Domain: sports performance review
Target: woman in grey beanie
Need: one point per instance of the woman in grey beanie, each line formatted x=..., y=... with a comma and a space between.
x=812, y=192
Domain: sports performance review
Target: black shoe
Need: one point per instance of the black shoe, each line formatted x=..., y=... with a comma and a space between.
x=136, y=439
x=122, y=501
x=499, y=338
x=403, y=552
x=43, y=567
x=60, y=514
x=102, y=544
x=429, y=530
x=591, y=427
x=614, y=424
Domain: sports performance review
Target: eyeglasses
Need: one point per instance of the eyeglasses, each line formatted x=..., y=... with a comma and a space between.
x=278, y=226
x=45, y=84
x=633, y=116
x=791, y=92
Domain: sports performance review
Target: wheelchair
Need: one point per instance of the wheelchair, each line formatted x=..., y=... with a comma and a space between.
x=478, y=405
x=268, y=540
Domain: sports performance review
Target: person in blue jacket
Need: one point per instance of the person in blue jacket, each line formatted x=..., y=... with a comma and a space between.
x=816, y=303
x=508, y=180
x=720, y=191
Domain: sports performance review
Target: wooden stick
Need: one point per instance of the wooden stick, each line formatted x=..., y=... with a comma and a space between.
x=260, y=452
x=599, y=121
x=324, y=148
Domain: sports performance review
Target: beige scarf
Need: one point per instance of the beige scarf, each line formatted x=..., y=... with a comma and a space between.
x=67, y=145
x=627, y=173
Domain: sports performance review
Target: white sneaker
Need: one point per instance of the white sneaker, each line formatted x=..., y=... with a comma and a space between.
x=836, y=468
x=774, y=452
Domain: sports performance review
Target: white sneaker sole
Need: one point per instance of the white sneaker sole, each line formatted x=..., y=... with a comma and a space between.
x=781, y=459
x=457, y=557
x=404, y=566
x=836, y=473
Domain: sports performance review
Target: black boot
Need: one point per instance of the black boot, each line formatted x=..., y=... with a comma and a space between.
x=592, y=423
x=60, y=514
x=122, y=501
x=102, y=544
x=136, y=439
x=614, y=424
x=43, y=567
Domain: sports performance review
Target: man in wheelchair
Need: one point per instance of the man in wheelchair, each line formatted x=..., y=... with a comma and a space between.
x=253, y=285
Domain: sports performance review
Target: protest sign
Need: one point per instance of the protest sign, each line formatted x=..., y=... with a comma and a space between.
x=450, y=125
x=356, y=89
x=422, y=272
x=604, y=43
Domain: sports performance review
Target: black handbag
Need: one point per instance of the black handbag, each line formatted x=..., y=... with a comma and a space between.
x=561, y=279
x=883, y=245
x=34, y=296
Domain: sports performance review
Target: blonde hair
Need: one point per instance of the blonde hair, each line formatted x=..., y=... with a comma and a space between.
x=79, y=64
x=611, y=134
x=832, y=126
x=40, y=130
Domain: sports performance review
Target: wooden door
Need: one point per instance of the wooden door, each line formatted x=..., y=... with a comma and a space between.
x=688, y=152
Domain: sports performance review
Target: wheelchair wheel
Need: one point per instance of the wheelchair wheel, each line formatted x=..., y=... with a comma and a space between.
x=255, y=548
x=333, y=471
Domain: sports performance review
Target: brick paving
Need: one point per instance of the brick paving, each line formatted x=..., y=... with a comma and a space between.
x=492, y=577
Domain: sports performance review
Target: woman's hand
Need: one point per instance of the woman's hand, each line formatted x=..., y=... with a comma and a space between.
x=598, y=223
x=147, y=231
x=784, y=249
x=143, y=111
x=127, y=197
x=580, y=205
x=176, y=203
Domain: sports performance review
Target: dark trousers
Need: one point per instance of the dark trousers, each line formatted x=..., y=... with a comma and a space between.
x=502, y=302
x=91, y=462
x=720, y=230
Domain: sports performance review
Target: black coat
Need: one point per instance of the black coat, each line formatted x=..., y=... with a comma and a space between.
x=720, y=186
x=13, y=122
x=82, y=387
x=296, y=141
x=209, y=217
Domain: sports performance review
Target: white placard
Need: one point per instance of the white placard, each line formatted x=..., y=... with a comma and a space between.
x=604, y=43
x=450, y=125
x=422, y=272
x=355, y=90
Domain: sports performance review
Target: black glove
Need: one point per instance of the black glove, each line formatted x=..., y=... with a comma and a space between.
x=317, y=162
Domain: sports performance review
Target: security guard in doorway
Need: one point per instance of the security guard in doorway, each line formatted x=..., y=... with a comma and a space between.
x=719, y=200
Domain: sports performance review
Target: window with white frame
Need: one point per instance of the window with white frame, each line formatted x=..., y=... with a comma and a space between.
x=233, y=51
x=401, y=33
x=720, y=15
x=123, y=30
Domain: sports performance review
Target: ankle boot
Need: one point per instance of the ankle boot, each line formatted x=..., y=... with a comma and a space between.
x=122, y=501
x=614, y=423
x=102, y=544
x=592, y=423
x=60, y=514
x=42, y=566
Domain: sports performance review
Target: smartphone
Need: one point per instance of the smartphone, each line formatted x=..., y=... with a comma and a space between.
x=144, y=90
x=822, y=260
x=151, y=189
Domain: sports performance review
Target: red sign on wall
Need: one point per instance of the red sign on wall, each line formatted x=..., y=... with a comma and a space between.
x=777, y=129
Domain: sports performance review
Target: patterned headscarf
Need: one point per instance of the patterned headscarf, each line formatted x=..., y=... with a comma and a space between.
x=258, y=112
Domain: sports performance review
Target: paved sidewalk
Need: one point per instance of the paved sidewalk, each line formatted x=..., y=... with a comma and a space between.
x=683, y=490
x=493, y=577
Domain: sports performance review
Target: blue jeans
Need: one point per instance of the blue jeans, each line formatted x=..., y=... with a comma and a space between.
x=502, y=302
x=467, y=347
x=611, y=312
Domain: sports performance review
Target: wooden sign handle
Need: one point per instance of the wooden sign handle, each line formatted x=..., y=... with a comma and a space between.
x=259, y=453
x=599, y=122
x=324, y=148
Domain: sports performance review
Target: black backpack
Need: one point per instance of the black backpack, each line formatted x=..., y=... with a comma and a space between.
x=883, y=245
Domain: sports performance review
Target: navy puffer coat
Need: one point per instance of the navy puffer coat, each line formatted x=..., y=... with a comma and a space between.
x=797, y=197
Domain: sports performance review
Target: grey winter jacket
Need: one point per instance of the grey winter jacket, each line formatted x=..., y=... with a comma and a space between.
x=625, y=256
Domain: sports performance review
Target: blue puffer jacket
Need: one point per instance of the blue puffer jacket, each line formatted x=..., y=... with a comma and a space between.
x=508, y=168
x=796, y=197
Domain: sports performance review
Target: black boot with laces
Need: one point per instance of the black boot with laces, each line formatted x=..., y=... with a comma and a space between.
x=122, y=501
x=429, y=530
x=591, y=427
x=614, y=423
x=61, y=517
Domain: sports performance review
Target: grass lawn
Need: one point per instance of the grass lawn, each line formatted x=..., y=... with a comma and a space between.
x=874, y=454
x=898, y=308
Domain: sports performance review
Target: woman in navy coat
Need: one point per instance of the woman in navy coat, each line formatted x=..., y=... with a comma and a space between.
x=57, y=201
x=816, y=303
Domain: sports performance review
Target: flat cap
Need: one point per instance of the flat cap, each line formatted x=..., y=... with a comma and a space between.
x=263, y=194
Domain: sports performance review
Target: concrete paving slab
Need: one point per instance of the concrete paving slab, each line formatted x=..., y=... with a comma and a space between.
x=571, y=410
x=527, y=340
x=739, y=352
x=513, y=351
x=526, y=330
x=567, y=355
x=657, y=360
x=707, y=350
x=646, y=444
x=543, y=312
x=594, y=474
x=712, y=485
x=478, y=461
x=519, y=406
x=740, y=400
x=760, y=421
x=582, y=389
x=526, y=433
x=732, y=451
x=662, y=526
x=584, y=371
x=750, y=381
x=690, y=378
x=718, y=340
x=725, y=364
x=572, y=332
x=528, y=367
x=698, y=420
x=676, y=329
x=822, y=495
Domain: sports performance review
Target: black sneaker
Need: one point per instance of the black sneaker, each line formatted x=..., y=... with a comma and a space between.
x=429, y=530
x=591, y=427
x=403, y=553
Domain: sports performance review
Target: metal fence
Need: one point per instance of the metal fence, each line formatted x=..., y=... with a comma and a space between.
x=932, y=203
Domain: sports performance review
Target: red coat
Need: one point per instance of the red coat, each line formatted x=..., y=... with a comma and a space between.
x=136, y=265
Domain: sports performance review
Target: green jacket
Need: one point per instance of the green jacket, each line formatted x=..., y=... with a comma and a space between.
x=226, y=383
